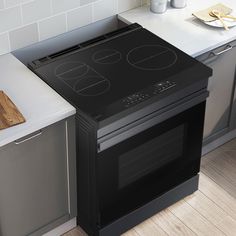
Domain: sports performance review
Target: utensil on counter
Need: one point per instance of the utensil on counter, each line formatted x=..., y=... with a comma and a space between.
x=217, y=24
x=222, y=14
x=9, y=113
x=217, y=14
x=158, y=6
x=204, y=15
x=229, y=16
x=178, y=3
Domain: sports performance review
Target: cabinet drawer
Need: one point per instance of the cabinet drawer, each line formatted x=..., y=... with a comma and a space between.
x=221, y=88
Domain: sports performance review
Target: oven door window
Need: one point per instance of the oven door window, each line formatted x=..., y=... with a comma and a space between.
x=150, y=163
x=150, y=156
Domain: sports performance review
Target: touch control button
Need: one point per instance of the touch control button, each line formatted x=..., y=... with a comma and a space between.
x=163, y=86
x=135, y=99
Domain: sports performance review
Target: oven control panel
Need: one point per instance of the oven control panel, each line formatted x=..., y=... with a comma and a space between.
x=155, y=89
x=135, y=99
x=163, y=86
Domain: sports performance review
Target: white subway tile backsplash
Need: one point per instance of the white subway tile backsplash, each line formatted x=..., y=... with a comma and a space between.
x=11, y=3
x=4, y=43
x=24, y=1
x=52, y=26
x=104, y=9
x=79, y=17
x=84, y=2
x=1, y=4
x=10, y=18
x=35, y=10
x=64, y=5
x=23, y=22
x=124, y=5
x=23, y=36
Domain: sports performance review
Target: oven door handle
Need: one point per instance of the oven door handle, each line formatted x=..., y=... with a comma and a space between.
x=109, y=141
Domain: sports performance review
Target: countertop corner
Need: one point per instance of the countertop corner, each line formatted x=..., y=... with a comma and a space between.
x=40, y=105
x=181, y=29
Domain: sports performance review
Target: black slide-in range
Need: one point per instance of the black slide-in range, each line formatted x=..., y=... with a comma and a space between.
x=140, y=112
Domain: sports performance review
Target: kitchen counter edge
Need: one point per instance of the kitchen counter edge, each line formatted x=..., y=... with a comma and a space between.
x=40, y=105
x=180, y=28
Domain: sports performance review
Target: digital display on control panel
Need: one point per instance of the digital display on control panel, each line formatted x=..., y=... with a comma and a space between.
x=138, y=97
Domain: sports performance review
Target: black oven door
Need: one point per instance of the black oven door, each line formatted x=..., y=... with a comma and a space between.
x=142, y=167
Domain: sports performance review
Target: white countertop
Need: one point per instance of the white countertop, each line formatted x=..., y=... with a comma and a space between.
x=40, y=105
x=181, y=29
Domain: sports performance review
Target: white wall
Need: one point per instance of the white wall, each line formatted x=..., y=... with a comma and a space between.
x=23, y=22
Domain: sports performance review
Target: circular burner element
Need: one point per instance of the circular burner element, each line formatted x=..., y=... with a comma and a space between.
x=71, y=70
x=151, y=57
x=107, y=56
x=92, y=86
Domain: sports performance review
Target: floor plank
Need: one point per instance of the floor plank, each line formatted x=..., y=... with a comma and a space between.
x=76, y=232
x=218, y=195
x=220, y=165
x=231, y=145
x=148, y=227
x=221, y=180
x=172, y=224
x=212, y=212
x=223, y=163
x=195, y=221
x=131, y=232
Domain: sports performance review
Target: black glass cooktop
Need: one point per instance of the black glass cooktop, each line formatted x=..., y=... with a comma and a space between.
x=112, y=71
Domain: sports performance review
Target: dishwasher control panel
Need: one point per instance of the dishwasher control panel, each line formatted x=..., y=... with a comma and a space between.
x=141, y=96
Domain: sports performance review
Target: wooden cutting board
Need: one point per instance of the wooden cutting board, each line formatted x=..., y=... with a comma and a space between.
x=9, y=113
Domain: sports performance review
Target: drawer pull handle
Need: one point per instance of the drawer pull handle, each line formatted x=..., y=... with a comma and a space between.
x=228, y=47
x=29, y=138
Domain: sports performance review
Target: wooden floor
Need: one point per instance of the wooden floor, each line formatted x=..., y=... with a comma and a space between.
x=211, y=211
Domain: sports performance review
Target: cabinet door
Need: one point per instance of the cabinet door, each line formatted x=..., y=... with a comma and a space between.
x=34, y=189
x=218, y=108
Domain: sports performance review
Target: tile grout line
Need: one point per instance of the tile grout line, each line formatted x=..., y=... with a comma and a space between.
x=21, y=15
x=14, y=6
x=9, y=42
x=93, y=17
x=38, y=31
x=67, y=26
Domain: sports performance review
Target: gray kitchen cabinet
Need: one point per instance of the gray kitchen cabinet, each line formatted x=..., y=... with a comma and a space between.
x=38, y=181
x=219, y=109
